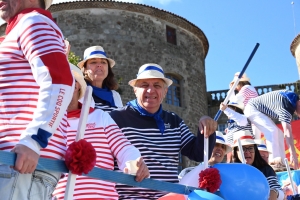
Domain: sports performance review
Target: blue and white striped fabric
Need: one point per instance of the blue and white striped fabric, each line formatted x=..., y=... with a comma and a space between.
x=233, y=127
x=274, y=105
x=160, y=152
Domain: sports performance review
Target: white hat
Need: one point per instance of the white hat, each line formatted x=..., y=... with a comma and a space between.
x=150, y=70
x=221, y=140
x=95, y=52
x=261, y=145
x=237, y=101
x=245, y=136
x=77, y=73
x=243, y=78
x=48, y=4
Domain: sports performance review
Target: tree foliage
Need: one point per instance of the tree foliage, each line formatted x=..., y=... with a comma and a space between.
x=74, y=59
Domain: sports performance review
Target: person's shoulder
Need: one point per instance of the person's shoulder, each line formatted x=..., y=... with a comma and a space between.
x=115, y=92
x=34, y=17
x=169, y=115
x=268, y=170
x=120, y=111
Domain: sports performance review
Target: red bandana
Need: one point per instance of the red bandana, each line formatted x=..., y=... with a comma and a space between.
x=15, y=20
x=76, y=113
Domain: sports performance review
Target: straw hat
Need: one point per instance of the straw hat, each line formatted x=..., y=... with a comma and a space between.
x=150, y=70
x=261, y=145
x=243, y=78
x=221, y=140
x=237, y=101
x=95, y=52
x=245, y=136
x=48, y=3
x=77, y=73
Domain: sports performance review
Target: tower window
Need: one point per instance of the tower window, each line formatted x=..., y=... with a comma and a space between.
x=173, y=95
x=171, y=35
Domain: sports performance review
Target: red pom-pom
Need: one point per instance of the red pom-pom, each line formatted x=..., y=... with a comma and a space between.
x=210, y=179
x=80, y=157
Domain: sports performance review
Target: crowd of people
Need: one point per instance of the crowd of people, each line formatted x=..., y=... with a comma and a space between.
x=42, y=93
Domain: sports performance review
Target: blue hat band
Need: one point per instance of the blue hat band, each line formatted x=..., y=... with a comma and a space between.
x=95, y=52
x=220, y=138
x=262, y=146
x=151, y=68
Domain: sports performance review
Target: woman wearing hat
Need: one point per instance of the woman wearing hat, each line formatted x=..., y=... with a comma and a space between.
x=237, y=120
x=109, y=142
x=253, y=157
x=221, y=148
x=97, y=71
x=158, y=134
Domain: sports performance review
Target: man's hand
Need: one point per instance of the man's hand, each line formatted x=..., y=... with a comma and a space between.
x=223, y=106
x=27, y=159
x=294, y=160
x=142, y=171
x=207, y=126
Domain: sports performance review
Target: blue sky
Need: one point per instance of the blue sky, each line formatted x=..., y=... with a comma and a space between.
x=233, y=27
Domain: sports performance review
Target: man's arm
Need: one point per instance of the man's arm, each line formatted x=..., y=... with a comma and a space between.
x=194, y=149
x=46, y=56
x=287, y=129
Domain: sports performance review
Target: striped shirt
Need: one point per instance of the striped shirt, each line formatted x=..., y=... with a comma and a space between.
x=271, y=177
x=248, y=92
x=33, y=95
x=103, y=105
x=159, y=151
x=236, y=123
x=109, y=143
x=274, y=105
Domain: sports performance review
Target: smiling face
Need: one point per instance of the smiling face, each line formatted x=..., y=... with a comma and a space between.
x=249, y=153
x=97, y=70
x=9, y=8
x=150, y=93
x=218, y=154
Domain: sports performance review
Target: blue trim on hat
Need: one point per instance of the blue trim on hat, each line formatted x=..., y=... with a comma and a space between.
x=262, y=145
x=151, y=68
x=95, y=52
x=220, y=138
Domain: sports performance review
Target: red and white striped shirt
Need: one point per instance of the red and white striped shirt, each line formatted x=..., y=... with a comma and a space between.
x=36, y=86
x=248, y=92
x=109, y=143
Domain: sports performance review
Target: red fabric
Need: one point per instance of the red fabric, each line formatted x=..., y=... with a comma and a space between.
x=14, y=20
x=60, y=74
x=210, y=179
x=80, y=157
x=296, y=134
x=244, y=137
x=76, y=113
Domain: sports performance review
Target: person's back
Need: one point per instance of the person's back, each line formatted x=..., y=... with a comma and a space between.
x=274, y=105
x=109, y=143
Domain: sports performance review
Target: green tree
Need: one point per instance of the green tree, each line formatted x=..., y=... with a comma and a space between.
x=73, y=58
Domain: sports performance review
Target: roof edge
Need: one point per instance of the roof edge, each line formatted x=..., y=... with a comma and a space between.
x=135, y=7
